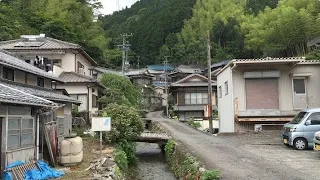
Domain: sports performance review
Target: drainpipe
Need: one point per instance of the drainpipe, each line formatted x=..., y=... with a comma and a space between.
x=38, y=136
x=88, y=97
x=75, y=62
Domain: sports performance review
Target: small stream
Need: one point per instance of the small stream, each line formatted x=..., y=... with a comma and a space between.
x=152, y=164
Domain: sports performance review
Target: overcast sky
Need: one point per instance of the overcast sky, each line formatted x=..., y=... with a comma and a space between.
x=111, y=5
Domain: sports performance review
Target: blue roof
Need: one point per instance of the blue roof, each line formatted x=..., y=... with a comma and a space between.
x=159, y=83
x=160, y=67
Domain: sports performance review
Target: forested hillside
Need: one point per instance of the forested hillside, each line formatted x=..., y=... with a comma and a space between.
x=153, y=23
x=239, y=28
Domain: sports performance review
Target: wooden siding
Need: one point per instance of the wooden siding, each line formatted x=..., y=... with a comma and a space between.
x=24, y=155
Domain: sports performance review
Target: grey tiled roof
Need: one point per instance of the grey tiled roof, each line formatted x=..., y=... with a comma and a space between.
x=186, y=83
x=11, y=61
x=46, y=93
x=36, y=42
x=40, y=43
x=12, y=95
x=107, y=71
x=75, y=77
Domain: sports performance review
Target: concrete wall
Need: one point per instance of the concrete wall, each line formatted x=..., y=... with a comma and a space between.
x=225, y=103
x=19, y=76
x=25, y=155
x=74, y=88
x=188, y=115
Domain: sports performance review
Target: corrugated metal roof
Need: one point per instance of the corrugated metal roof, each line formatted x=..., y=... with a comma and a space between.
x=18, y=96
x=46, y=93
x=138, y=72
x=75, y=77
x=38, y=42
x=8, y=60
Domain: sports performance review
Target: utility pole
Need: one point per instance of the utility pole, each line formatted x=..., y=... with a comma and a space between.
x=166, y=84
x=209, y=84
x=125, y=47
x=138, y=62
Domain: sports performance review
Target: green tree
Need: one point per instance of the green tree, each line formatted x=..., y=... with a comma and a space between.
x=120, y=90
x=125, y=122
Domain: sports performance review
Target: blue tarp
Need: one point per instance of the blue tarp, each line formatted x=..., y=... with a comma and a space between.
x=45, y=172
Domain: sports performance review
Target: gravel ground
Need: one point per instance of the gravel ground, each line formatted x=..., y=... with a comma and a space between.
x=245, y=156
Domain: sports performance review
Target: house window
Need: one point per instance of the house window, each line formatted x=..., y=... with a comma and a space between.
x=226, y=88
x=20, y=132
x=94, y=101
x=40, y=82
x=57, y=62
x=8, y=73
x=196, y=98
x=220, y=92
x=80, y=68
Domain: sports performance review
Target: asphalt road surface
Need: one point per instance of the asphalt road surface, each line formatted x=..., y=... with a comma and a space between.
x=239, y=157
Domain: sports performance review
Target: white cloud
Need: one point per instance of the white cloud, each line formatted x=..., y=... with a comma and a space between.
x=109, y=6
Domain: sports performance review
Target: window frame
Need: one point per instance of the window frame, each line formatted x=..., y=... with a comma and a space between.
x=39, y=80
x=220, y=91
x=5, y=71
x=21, y=131
x=94, y=103
x=226, y=88
x=196, y=98
x=78, y=67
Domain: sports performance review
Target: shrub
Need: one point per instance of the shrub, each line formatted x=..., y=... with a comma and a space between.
x=194, y=124
x=125, y=122
x=210, y=175
x=169, y=149
x=130, y=149
x=79, y=131
x=121, y=159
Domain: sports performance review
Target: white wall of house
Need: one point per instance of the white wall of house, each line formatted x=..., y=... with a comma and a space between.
x=225, y=102
x=68, y=62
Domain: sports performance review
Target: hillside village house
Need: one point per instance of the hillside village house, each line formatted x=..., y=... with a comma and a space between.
x=181, y=72
x=265, y=92
x=65, y=60
x=191, y=96
x=25, y=94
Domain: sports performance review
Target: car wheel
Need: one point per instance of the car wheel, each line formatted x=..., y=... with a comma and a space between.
x=300, y=143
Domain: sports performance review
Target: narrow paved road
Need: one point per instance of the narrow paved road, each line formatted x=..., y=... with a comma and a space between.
x=233, y=161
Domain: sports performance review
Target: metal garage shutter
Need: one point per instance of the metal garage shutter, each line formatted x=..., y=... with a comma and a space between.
x=262, y=93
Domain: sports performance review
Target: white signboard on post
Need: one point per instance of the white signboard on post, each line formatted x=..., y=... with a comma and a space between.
x=101, y=124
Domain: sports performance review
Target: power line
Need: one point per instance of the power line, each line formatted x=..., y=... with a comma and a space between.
x=125, y=48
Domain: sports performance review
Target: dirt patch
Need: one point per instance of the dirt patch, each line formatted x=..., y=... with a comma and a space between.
x=91, y=152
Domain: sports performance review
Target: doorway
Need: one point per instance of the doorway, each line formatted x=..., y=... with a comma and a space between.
x=300, y=100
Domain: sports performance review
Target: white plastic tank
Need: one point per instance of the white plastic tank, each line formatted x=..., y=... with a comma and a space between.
x=71, y=150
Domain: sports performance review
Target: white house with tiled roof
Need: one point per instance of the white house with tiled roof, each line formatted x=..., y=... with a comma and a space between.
x=27, y=102
x=65, y=60
x=265, y=92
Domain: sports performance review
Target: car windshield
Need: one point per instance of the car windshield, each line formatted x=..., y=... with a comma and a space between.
x=298, y=118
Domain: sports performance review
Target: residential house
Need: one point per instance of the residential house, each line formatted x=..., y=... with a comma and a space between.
x=65, y=60
x=140, y=77
x=181, y=72
x=265, y=92
x=159, y=72
x=191, y=96
x=313, y=44
x=27, y=102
